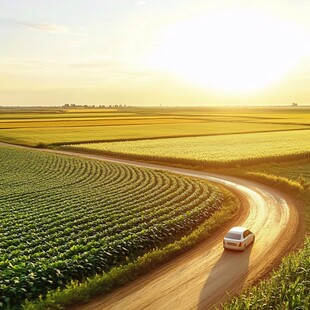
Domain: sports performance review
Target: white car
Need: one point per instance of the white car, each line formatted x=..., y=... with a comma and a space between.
x=238, y=238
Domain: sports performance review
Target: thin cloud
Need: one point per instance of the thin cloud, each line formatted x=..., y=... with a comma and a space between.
x=42, y=26
x=47, y=27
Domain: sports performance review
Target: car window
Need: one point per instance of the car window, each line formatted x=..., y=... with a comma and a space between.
x=246, y=233
x=233, y=236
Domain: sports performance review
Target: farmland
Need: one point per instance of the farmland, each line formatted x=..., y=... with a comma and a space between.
x=65, y=218
x=66, y=126
x=74, y=218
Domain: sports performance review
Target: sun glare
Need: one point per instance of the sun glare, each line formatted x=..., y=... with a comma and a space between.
x=229, y=52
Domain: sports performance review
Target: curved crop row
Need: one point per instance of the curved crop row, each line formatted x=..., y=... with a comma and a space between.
x=64, y=218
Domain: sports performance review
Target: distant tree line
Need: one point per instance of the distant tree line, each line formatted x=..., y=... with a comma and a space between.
x=102, y=106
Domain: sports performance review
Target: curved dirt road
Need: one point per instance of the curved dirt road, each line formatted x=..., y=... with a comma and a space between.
x=200, y=278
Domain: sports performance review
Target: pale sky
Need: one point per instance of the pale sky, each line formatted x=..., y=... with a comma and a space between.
x=154, y=52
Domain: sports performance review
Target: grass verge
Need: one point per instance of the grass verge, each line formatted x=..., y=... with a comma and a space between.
x=77, y=292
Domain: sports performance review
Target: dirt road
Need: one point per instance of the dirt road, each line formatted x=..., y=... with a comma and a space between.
x=200, y=278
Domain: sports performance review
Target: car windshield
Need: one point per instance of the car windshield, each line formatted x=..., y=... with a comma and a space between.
x=233, y=236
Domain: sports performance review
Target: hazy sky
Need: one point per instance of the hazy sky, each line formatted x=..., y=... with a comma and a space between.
x=152, y=52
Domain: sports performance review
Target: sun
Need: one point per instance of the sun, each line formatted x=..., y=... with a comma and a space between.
x=231, y=51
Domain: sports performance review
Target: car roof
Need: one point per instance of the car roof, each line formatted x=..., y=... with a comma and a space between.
x=238, y=229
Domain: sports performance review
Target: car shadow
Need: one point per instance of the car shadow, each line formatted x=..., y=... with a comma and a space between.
x=227, y=275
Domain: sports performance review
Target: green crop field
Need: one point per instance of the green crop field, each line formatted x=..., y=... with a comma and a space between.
x=65, y=218
x=211, y=150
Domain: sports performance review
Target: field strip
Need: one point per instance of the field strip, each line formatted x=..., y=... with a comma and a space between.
x=202, y=276
x=208, y=151
x=171, y=137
